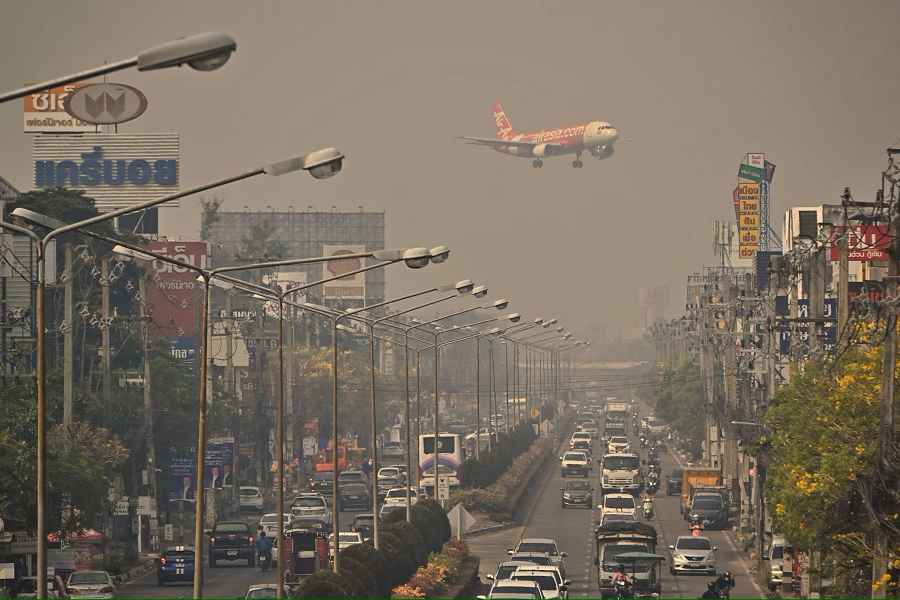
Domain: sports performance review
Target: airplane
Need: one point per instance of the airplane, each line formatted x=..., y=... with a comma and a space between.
x=595, y=137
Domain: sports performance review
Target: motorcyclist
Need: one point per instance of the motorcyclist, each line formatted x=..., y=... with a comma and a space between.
x=711, y=591
x=621, y=577
x=264, y=547
x=724, y=584
x=696, y=525
x=647, y=506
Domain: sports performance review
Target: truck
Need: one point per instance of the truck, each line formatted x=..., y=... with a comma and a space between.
x=617, y=538
x=697, y=477
x=616, y=412
x=621, y=473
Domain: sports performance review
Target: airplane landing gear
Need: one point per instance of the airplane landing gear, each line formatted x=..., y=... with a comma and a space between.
x=577, y=164
x=537, y=163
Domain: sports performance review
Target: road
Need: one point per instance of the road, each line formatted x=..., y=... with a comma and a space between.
x=573, y=530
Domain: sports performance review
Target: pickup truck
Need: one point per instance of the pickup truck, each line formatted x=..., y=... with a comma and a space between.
x=574, y=463
x=232, y=540
x=614, y=539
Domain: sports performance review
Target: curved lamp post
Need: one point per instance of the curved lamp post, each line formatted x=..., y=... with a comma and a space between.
x=202, y=52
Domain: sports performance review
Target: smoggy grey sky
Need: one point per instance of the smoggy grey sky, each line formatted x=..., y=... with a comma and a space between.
x=691, y=85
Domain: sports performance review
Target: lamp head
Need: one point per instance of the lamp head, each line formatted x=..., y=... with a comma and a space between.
x=538, y=321
x=552, y=322
x=321, y=164
x=37, y=218
x=513, y=317
x=416, y=258
x=501, y=303
x=479, y=291
x=560, y=329
x=439, y=254
x=465, y=286
x=123, y=251
x=203, y=52
x=567, y=336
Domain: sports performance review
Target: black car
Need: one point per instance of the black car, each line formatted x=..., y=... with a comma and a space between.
x=232, y=540
x=354, y=495
x=711, y=509
x=321, y=483
x=673, y=482
x=577, y=492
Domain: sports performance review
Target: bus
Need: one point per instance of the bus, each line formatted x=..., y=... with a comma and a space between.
x=470, y=443
x=450, y=457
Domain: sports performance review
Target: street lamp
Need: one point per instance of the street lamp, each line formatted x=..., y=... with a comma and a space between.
x=202, y=52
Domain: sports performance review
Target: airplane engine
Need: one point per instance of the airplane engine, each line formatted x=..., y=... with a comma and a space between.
x=601, y=152
x=540, y=151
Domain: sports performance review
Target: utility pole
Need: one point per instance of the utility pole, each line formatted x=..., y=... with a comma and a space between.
x=234, y=394
x=477, y=401
x=68, y=335
x=150, y=438
x=106, y=357
x=843, y=272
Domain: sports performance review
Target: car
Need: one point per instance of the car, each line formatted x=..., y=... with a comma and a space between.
x=550, y=587
x=622, y=504
x=582, y=446
x=269, y=523
x=709, y=508
x=310, y=505
x=554, y=570
x=390, y=472
x=617, y=444
x=386, y=484
x=261, y=590
x=693, y=554
x=387, y=509
x=27, y=588
x=393, y=450
x=674, y=482
x=250, y=498
x=577, y=493
x=506, y=568
x=580, y=436
x=398, y=496
x=354, y=496
x=322, y=483
x=575, y=463
x=312, y=522
x=616, y=518
x=778, y=550
x=175, y=565
x=90, y=584
x=347, y=539
x=231, y=540
x=353, y=476
x=363, y=524
x=545, y=545
x=508, y=589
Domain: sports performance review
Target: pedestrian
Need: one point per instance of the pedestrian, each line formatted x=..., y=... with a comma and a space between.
x=367, y=467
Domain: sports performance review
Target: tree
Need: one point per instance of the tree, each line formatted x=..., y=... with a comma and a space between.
x=680, y=401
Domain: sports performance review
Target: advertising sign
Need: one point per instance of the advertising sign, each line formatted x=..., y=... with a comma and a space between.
x=756, y=159
x=117, y=170
x=352, y=287
x=171, y=293
x=749, y=196
x=751, y=173
x=45, y=112
x=865, y=242
x=217, y=467
x=106, y=103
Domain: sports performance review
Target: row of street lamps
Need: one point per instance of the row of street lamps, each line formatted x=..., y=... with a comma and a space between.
x=207, y=52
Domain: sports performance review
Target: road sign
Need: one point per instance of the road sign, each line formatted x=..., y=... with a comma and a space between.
x=169, y=532
x=443, y=488
x=121, y=509
x=461, y=521
x=7, y=570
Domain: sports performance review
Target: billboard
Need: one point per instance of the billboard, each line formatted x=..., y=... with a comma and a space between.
x=45, y=112
x=217, y=467
x=352, y=287
x=749, y=198
x=172, y=299
x=116, y=170
x=864, y=242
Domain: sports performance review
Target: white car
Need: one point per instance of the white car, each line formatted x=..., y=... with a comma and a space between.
x=580, y=436
x=90, y=584
x=545, y=545
x=390, y=473
x=691, y=554
x=347, y=539
x=617, y=444
x=513, y=590
x=561, y=582
x=549, y=586
x=250, y=498
x=269, y=523
x=398, y=496
x=576, y=463
x=622, y=504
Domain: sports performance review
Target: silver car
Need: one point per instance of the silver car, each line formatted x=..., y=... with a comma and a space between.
x=90, y=584
x=693, y=554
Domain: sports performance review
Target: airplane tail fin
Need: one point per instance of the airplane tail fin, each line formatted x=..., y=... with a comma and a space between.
x=504, y=127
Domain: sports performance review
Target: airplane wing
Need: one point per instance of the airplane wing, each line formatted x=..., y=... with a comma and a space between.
x=493, y=142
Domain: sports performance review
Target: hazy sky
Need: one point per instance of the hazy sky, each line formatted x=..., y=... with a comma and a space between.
x=692, y=85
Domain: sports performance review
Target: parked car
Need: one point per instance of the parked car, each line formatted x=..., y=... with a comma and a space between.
x=175, y=565
x=90, y=584
x=674, y=482
x=232, y=540
x=354, y=495
x=250, y=498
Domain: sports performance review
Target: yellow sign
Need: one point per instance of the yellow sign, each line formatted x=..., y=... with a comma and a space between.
x=535, y=413
x=748, y=237
x=749, y=221
x=747, y=251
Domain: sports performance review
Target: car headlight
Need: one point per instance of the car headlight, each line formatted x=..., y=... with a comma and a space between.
x=679, y=557
x=567, y=496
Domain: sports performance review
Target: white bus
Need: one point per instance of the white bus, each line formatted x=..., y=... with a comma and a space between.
x=450, y=457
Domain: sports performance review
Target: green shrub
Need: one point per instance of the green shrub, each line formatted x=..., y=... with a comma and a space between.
x=375, y=561
x=323, y=584
x=358, y=580
x=410, y=534
x=400, y=557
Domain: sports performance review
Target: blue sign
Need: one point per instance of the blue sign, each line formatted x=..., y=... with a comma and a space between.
x=183, y=348
x=94, y=170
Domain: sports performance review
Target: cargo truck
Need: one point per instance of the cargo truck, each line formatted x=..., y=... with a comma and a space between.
x=627, y=537
x=697, y=477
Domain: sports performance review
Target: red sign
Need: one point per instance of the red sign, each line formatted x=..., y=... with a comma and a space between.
x=175, y=294
x=865, y=242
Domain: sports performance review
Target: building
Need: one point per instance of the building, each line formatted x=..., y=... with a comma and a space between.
x=18, y=273
x=254, y=236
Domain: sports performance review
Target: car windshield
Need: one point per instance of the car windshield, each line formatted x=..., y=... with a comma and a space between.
x=547, y=582
x=617, y=439
x=88, y=578
x=513, y=592
x=710, y=502
x=173, y=554
x=350, y=476
x=574, y=456
x=504, y=572
x=354, y=488
x=618, y=502
x=611, y=554
x=249, y=492
x=309, y=502
x=389, y=473
x=621, y=463
x=383, y=481
x=232, y=528
x=347, y=537
x=548, y=547
x=693, y=543
x=609, y=518
x=582, y=443
x=262, y=593
x=397, y=493
x=538, y=560
x=578, y=485
x=447, y=444
x=271, y=519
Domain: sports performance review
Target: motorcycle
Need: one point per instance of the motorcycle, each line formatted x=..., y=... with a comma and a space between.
x=643, y=442
x=264, y=561
x=652, y=484
x=697, y=525
x=623, y=590
x=647, y=507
